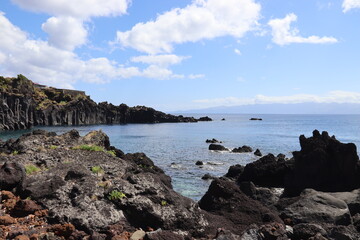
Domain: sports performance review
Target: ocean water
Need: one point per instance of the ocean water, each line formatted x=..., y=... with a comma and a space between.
x=175, y=147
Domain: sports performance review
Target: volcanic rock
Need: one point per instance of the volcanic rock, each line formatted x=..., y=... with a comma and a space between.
x=243, y=149
x=324, y=164
x=257, y=153
x=217, y=147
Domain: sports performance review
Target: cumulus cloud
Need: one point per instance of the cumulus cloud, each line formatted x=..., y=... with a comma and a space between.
x=283, y=34
x=65, y=32
x=50, y=65
x=160, y=60
x=203, y=19
x=331, y=97
x=78, y=9
x=350, y=4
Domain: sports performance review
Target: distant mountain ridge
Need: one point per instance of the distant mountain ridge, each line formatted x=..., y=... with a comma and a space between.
x=24, y=104
x=278, y=108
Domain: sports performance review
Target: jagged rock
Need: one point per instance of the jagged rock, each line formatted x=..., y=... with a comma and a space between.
x=11, y=175
x=268, y=171
x=317, y=207
x=224, y=196
x=243, y=149
x=324, y=164
x=235, y=171
x=257, y=153
x=217, y=147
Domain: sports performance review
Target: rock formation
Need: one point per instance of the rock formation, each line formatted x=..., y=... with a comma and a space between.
x=24, y=104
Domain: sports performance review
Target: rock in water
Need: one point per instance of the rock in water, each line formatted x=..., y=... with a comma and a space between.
x=217, y=147
x=243, y=149
x=324, y=164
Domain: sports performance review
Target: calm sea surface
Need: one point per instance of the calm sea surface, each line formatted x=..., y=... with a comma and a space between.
x=175, y=147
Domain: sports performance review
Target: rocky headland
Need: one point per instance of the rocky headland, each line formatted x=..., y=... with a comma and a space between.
x=72, y=187
x=24, y=104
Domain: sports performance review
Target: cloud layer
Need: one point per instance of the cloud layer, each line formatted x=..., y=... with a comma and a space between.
x=331, y=97
x=283, y=34
x=200, y=20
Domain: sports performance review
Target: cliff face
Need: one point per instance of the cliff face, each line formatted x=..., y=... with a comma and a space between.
x=24, y=104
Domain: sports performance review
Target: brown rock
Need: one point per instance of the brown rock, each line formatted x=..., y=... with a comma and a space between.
x=63, y=230
x=22, y=237
x=7, y=220
x=25, y=207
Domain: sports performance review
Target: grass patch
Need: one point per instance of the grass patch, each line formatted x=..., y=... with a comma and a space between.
x=15, y=152
x=116, y=195
x=163, y=203
x=31, y=169
x=97, y=170
x=95, y=148
x=53, y=147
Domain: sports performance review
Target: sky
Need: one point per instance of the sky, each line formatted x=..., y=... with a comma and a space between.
x=187, y=54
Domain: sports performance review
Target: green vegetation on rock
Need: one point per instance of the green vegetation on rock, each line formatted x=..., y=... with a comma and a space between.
x=97, y=170
x=30, y=169
x=116, y=195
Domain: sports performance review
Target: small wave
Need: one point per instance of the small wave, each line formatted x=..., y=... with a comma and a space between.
x=215, y=163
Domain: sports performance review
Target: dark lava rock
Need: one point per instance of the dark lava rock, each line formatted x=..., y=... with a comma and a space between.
x=217, y=147
x=11, y=175
x=256, y=119
x=163, y=235
x=243, y=149
x=199, y=163
x=324, y=164
x=257, y=153
x=213, y=141
x=235, y=171
x=307, y=230
x=223, y=197
x=207, y=176
x=317, y=207
x=204, y=119
x=223, y=119
x=266, y=172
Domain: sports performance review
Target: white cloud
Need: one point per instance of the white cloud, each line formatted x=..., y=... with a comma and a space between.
x=65, y=32
x=203, y=19
x=160, y=73
x=283, y=34
x=331, y=97
x=350, y=4
x=237, y=51
x=49, y=65
x=78, y=9
x=160, y=60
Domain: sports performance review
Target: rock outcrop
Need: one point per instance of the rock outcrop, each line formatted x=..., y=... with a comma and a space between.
x=323, y=164
x=24, y=104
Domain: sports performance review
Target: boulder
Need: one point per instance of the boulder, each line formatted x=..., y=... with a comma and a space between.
x=199, y=163
x=307, y=230
x=217, y=147
x=212, y=141
x=243, y=149
x=223, y=197
x=204, y=119
x=323, y=164
x=317, y=207
x=235, y=171
x=12, y=175
x=268, y=171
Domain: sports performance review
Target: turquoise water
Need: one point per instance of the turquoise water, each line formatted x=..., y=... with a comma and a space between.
x=176, y=147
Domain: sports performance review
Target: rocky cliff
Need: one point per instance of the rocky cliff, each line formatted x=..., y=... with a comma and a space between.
x=24, y=104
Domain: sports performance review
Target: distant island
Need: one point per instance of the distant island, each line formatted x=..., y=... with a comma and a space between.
x=24, y=104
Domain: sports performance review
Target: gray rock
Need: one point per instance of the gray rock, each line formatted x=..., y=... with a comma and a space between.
x=318, y=207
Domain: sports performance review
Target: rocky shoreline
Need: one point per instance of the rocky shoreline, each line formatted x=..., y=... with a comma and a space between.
x=24, y=104
x=72, y=187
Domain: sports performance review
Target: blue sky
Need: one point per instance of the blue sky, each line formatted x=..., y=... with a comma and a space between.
x=183, y=54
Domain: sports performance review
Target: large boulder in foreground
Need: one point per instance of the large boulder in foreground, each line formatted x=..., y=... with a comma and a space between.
x=324, y=164
x=225, y=199
x=318, y=207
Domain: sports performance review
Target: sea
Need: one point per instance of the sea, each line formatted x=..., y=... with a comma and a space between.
x=176, y=147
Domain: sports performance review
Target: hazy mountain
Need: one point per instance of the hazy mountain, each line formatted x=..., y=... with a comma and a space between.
x=298, y=108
